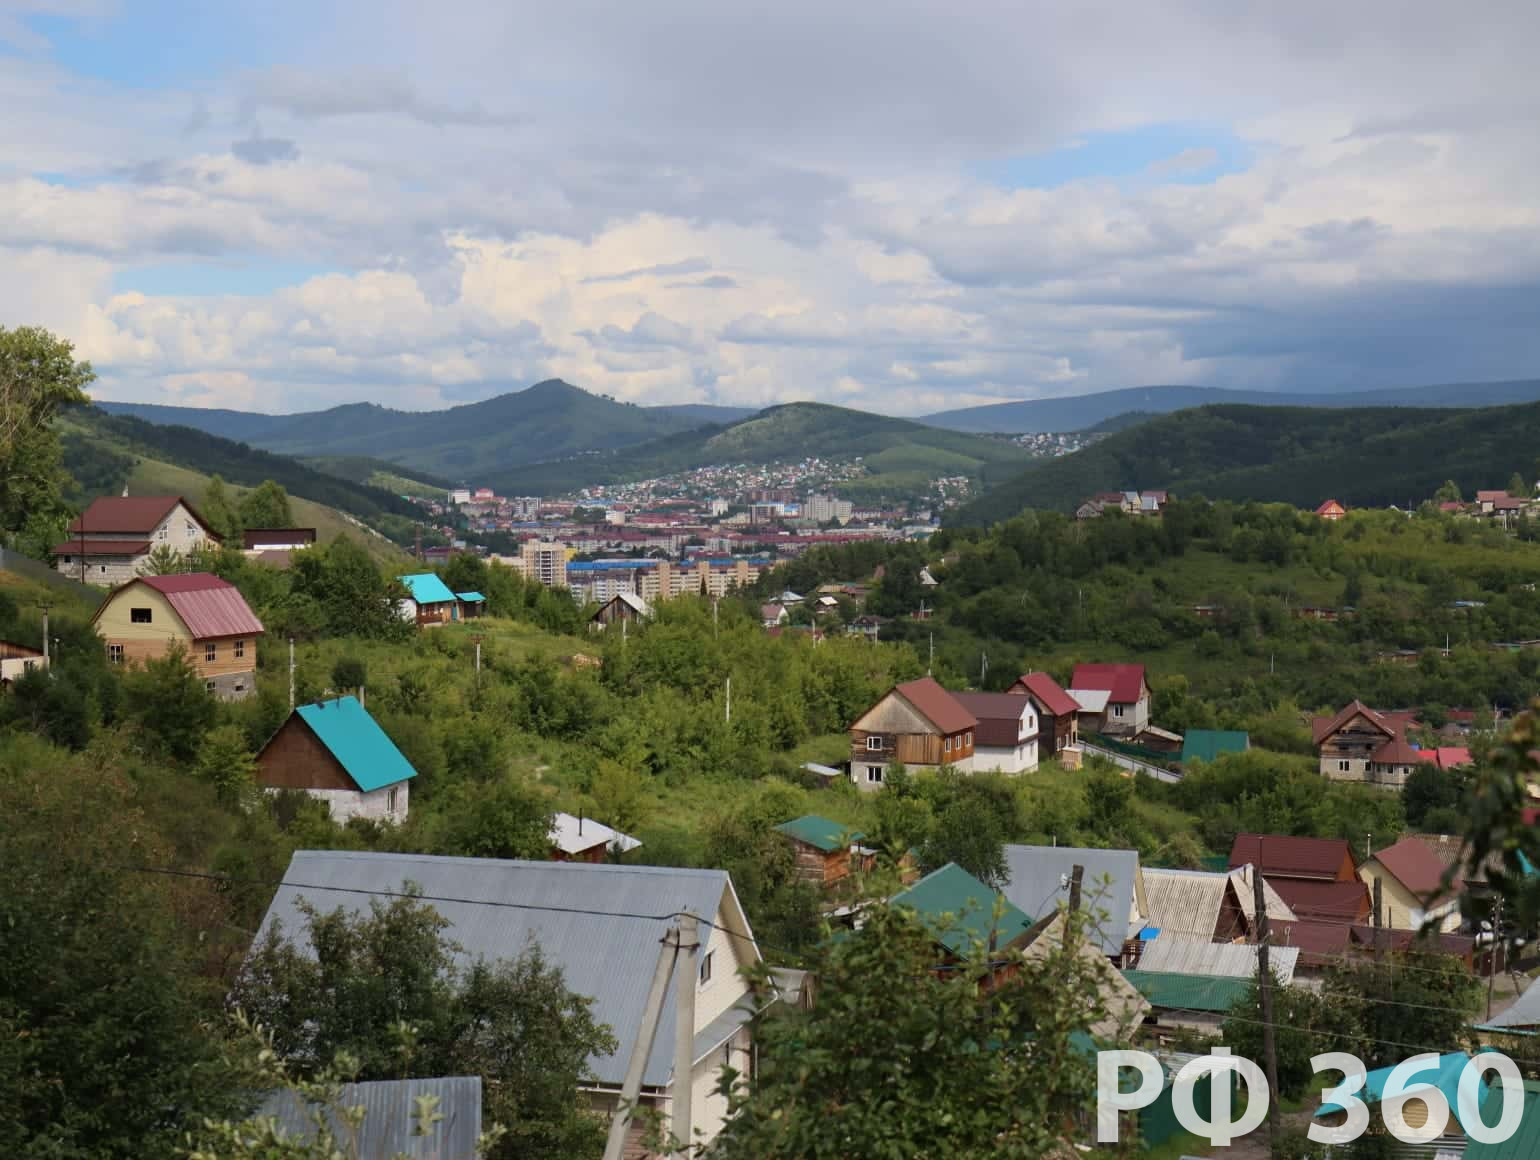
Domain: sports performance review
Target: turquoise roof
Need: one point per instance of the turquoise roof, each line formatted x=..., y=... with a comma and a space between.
x=470, y=597
x=358, y=743
x=820, y=832
x=1524, y=1144
x=962, y=910
x=1444, y=1075
x=427, y=588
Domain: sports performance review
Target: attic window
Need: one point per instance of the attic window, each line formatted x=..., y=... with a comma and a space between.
x=705, y=968
x=140, y=615
x=192, y=528
x=874, y=744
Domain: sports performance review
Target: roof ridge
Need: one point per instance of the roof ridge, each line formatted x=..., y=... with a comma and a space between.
x=456, y=859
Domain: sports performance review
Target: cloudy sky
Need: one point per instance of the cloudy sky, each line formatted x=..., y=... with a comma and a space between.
x=902, y=205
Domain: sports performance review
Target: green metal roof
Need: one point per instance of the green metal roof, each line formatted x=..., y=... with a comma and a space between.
x=1207, y=744
x=962, y=909
x=358, y=743
x=822, y=833
x=1523, y=1144
x=1188, y=992
x=427, y=588
x=470, y=597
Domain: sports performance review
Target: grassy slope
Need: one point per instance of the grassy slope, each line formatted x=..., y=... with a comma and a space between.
x=1364, y=457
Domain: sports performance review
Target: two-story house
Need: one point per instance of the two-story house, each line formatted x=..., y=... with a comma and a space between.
x=568, y=910
x=198, y=611
x=1316, y=877
x=1127, y=709
x=1367, y=745
x=918, y=725
x=1412, y=890
x=1006, y=739
x=337, y=753
x=1058, y=714
x=110, y=542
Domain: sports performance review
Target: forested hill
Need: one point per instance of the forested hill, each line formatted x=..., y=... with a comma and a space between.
x=789, y=432
x=1298, y=455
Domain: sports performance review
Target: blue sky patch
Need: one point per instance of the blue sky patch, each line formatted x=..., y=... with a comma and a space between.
x=1161, y=154
x=225, y=275
x=158, y=43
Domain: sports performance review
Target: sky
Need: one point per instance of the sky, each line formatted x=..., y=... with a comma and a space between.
x=904, y=206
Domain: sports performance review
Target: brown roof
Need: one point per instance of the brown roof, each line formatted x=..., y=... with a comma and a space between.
x=1327, y=901
x=1397, y=751
x=1050, y=695
x=999, y=717
x=1460, y=945
x=207, y=605
x=102, y=548
x=1324, y=727
x=131, y=513
x=1450, y=851
x=1413, y=863
x=1290, y=857
x=938, y=706
x=1318, y=941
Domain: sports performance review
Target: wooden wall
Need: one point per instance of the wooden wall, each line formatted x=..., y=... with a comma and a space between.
x=294, y=758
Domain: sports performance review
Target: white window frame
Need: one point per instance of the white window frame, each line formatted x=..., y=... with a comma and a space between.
x=1344, y=766
x=390, y=799
x=967, y=742
x=874, y=744
x=946, y=745
x=705, y=968
x=874, y=774
x=115, y=654
x=209, y=687
x=1117, y=710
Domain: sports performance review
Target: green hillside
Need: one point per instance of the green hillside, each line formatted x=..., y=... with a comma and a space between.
x=787, y=433
x=1362, y=457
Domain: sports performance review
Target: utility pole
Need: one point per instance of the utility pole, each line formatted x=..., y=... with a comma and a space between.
x=1379, y=901
x=686, y=978
x=931, y=664
x=983, y=667
x=476, y=640
x=1497, y=937
x=291, y=674
x=1076, y=878
x=729, y=705
x=1265, y=991
x=641, y=1050
x=45, y=606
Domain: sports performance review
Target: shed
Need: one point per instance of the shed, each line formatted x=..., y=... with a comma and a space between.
x=961, y=911
x=472, y=604
x=824, y=848
x=336, y=752
x=579, y=839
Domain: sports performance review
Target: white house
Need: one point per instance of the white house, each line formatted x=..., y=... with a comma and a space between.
x=336, y=752
x=110, y=542
x=1006, y=737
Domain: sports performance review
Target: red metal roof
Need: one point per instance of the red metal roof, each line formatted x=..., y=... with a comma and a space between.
x=1323, y=727
x=1333, y=901
x=1051, y=698
x=1328, y=507
x=1491, y=496
x=207, y=605
x=1318, y=941
x=1124, y=683
x=131, y=513
x=101, y=548
x=939, y=707
x=1289, y=856
x=1412, y=862
x=1397, y=751
x=1450, y=756
x=999, y=717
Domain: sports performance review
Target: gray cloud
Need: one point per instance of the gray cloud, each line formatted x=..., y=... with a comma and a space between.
x=683, y=266
x=313, y=96
x=259, y=150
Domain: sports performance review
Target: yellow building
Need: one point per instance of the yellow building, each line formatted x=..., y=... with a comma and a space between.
x=1410, y=875
x=207, y=616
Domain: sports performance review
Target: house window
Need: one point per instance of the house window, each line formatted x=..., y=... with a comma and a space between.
x=947, y=745
x=140, y=615
x=208, y=686
x=211, y=651
x=1117, y=710
x=705, y=968
x=115, y=653
x=874, y=744
x=104, y=569
x=1344, y=766
x=874, y=774
x=28, y=666
x=968, y=741
x=390, y=801
x=192, y=528
x=240, y=686
x=162, y=533
x=240, y=648
x=67, y=559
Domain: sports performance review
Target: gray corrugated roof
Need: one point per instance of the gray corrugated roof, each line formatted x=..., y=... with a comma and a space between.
x=607, y=959
x=1195, y=956
x=1525, y=1012
x=1033, y=884
x=389, y=1117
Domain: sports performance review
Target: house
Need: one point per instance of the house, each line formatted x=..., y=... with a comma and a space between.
x=569, y=910
x=917, y=724
x=1128, y=695
x=1410, y=877
x=1176, y=955
x=1358, y=743
x=1441, y=1074
x=963, y=913
x=1006, y=738
x=1058, y=713
x=473, y=605
x=337, y=753
x=389, y=1125
x=578, y=839
x=1331, y=510
x=257, y=541
x=1112, y=889
x=772, y=615
x=1219, y=906
x=1521, y=1018
x=110, y=542
x=204, y=615
x=623, y=606
x=16, y=660
x=429, y=602
x=1209, y=744
x=1316, y=877
x=827, y=851
x=1187, y=1002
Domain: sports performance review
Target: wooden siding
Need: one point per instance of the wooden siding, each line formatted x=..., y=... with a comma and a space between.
x=594, y=854
x=820, y=867
x=911, y=748
x=294, y=758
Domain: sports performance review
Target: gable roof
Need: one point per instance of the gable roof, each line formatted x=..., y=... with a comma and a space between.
x=1330, y=505
x=131, y=513
x=427, y=588
x=1200, y=956
x=1452, y=756
x=205, y=604
x=1125, y=683
x=606, y=955
x=1188, y=992
x=355, y=739
x=1190, y=901
x=470, y=597
x=390, y=1116
x=961, y=910
x=1323, y=727
x=1037, y=876
x=1050, y=696
x=1208, y=744
x=1397, y=751
x=573, y=835
x=999, y=717
x=1091, y=700
x=1413, y=863
x=937, y=705
x=1332, y=901
x=1524, y=1014
x=819, y=832
x=1287, y=856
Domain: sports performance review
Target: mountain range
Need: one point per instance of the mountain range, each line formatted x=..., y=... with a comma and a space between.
x=1370, y=456
x=1079, y=412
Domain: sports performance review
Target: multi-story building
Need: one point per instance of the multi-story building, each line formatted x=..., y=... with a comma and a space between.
x=111, y=541
x=545, y=563
x=823, y=508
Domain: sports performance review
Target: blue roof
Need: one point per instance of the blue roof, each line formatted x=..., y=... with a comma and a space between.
x=470, y=597
x=1444, y=1075
x=427, y=588
x=358, y=743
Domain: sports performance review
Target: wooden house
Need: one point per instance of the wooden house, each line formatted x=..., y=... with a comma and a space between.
x=198, y=611
x=623, y=606
x=473, y=605
x=827, y=852
x=1367, y=745
x=1128, y=695
x=337, y=753
x=578, y=839
x=917, y=724
x=1058, y=713
x=1410, y=877
x=110, y=542
x=428, y=602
